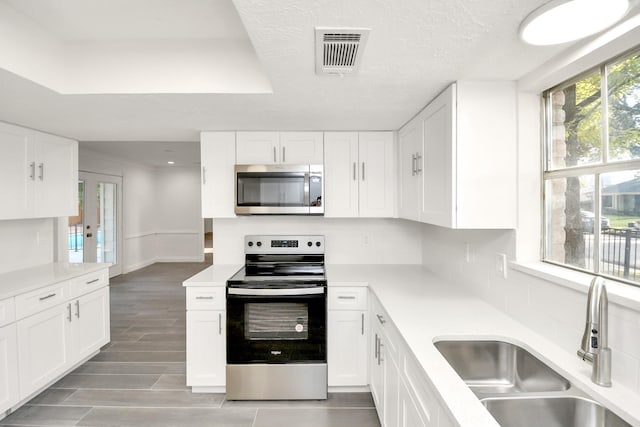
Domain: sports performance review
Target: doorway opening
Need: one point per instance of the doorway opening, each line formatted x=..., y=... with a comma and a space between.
x=95, y=234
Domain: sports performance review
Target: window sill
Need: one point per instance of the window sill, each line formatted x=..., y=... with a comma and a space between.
x=619, y=293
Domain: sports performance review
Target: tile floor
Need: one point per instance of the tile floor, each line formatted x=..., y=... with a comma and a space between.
x=139, y=378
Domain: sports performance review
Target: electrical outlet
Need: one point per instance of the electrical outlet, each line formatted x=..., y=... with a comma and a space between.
x=501, y=265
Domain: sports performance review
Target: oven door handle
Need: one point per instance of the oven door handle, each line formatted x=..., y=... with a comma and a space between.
x=276, y=292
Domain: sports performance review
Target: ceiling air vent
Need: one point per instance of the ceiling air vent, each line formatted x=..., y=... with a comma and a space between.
x=339, y=50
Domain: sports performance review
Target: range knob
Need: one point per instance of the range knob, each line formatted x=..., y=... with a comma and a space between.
x=259, y=244
x=318, y=243
x=250, y=243
x=309, y=244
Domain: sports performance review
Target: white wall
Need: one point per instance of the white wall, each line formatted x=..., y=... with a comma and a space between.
x=161, y=210
x=25, y=243
x=348, y=241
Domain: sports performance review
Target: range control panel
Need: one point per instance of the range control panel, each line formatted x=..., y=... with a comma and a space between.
x=296, y=244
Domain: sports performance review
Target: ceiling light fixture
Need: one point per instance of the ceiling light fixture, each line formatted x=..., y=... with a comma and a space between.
x=171, y=162
x=561, y=21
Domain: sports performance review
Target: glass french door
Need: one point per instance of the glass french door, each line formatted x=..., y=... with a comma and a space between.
x=95, y=234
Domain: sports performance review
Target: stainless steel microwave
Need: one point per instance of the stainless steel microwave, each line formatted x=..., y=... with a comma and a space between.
x=279, y=190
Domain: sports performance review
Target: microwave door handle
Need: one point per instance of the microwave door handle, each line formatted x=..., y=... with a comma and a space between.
x=307, y=190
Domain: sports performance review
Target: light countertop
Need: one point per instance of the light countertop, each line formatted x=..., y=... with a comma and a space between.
x=20, y=281
x=426, y=308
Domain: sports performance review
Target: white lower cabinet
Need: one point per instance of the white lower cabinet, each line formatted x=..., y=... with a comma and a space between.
x=347, y=336
x=90, y=323
x=9, y=386
x=44, y=347
x=206, y=348
x=402, y=394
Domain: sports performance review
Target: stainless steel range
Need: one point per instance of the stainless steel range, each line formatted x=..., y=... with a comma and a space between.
x=277, y=320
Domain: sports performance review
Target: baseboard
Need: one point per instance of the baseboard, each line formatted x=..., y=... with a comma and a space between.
x=349, y=389
x=180, y=259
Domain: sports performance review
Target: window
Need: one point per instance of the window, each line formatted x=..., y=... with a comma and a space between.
x=592, y=171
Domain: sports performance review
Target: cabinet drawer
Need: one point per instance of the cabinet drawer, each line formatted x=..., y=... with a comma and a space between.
x=349, y=298
x=41, y=299
x=89, y=283
x=206, y=298
x=7, y=311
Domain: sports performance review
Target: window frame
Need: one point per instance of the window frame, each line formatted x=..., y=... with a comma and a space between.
x=596, y=169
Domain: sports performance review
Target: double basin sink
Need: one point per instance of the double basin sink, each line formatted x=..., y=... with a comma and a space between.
x=521, y=391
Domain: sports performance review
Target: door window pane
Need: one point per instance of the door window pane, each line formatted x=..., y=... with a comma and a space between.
x=106, y=227
x=76, y=227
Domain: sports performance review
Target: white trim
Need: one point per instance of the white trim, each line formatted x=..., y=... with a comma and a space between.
x=139, y=235
x=619, y=293
x=137, y=266
x=189, y=232
x=181, y=259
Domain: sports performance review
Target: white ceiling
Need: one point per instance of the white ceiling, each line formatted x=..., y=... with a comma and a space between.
x=415, y=49
x=149, y=153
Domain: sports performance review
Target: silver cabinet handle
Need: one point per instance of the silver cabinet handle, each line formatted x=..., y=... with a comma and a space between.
x=362, y=324
x=381, y=319
x=204, y=175
x=380, y=359
x=375, y=347
x=47, y=297
x=418, y=160
x=346, y=297
x=32, y=174
x=69, y=312
x=78, y=309
x=355, y=177
x=363, y=171
x=220, y=323
x=284, y=154
x=41, y=168
x=274, y=155
x=92, y=281
x=413, y=165
x=204, y=297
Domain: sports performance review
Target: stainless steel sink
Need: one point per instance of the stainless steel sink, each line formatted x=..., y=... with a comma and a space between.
x=551, y=412
x=497, y=367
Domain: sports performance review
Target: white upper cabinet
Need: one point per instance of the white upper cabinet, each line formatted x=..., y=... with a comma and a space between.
x=217, y=155
x=38, y=174
x=359, y=174
x=462, y=149
x=410, y=170
x=279, y=148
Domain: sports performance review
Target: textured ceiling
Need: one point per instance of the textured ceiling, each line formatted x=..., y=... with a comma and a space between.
x=415, y=48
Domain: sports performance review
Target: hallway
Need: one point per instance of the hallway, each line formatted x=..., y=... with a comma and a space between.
x=139, y=377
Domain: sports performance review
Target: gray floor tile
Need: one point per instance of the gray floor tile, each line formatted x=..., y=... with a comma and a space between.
x=51, y=396
x=176, y=368
x=169, y=330
x=171, y=382
x=172, y=417
x=127, y=336
x=329, y=417
x=147, y=346
x=140, y=356
x=144, y=398
x=163, y=337
x=334, y=400
x=46, y=416
x=99, y=381
x=132, y=321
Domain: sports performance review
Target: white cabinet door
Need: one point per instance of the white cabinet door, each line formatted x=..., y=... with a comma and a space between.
x=218, y=157
x=377, y=174
x=410, y=170
x=410, y=415
x=341, y=176
x=439, y=190
x=56, y=176
x=44, y=347
x=376, y=371
x=257, y=148
x=9, y=387
x=90, y=323
x=347, y=348
x=391, y=389
x=206, y=348
x=301, y=148
x=17, y=174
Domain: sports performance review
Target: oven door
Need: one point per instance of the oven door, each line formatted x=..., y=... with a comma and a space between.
x=276, y=325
